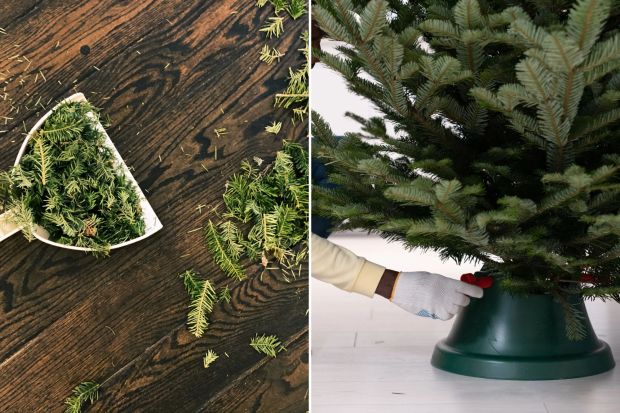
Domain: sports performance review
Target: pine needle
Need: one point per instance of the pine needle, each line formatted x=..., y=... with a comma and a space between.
x=225, y=294
x=297, y=92
x=274, y=127
x=87, y=391
x=270, y=55
x=269, y=345
x=192, y=285
x=296, y=8
x=274, y=201
x=209, y=358
x=274, y=27
x=219, y=132
x=223, y=256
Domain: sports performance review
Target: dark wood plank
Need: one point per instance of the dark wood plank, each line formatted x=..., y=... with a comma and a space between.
x=67, y=317
x=151, y=378
x=12, y=11
x=266, y=386
x=164, y=180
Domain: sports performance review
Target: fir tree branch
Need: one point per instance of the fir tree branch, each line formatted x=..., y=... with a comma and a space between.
x=225, y=294
x=270, y=55
x=192, y=285
x=274, y=127
x=221, y=253
x=209, y=358
x=274, y=28
x=87, y=391
x=271, y=207
x=296, y=8
x=201, y=306
x=269, y=345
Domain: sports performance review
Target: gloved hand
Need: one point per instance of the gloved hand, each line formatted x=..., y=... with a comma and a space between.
x=432, y=295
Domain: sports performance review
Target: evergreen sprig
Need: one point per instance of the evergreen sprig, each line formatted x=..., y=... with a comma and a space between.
x=274, y=27
x=87, y=391
x=69, y=183
x=279, y=5
x=270, y=55
x=296, y=8
x=274, y=128
x=297, y=92
x=225, y=294
x=267, y=344
x=209, y=358
x=506, y=116
x=266, y=216
x=202, y=300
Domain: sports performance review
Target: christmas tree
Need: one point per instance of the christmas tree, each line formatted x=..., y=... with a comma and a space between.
x=506, y=147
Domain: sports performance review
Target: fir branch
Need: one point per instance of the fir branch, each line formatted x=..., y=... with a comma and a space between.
x=200, y=307
x=586, y=20
x=278, y=5
x=221, y=253
x=225, y=294
x=373, y=19
x=574, y=319
x=274, y=27
x=296, y=94
x=87, y=391
x=41, y=159
x=232, y=238
x=192, y=284
x=274, y=127
x=271, y=207
x=296, y=8
x=269, y=345
x=270, y=55
x=209, y=358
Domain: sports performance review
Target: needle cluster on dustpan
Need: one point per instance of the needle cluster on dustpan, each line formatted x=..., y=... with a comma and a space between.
x=70, y=187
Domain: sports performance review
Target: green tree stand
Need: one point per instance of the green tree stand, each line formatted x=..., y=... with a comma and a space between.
x=517, y=337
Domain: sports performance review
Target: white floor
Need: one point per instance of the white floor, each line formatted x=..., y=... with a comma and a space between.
x=370, y=356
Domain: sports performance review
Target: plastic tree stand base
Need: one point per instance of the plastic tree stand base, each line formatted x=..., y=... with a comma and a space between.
x=517, y=337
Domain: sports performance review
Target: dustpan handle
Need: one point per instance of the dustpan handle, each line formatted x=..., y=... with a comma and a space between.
x=7, y=228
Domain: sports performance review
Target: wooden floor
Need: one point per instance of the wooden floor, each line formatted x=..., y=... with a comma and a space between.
x=167, y=73
x=369, y=356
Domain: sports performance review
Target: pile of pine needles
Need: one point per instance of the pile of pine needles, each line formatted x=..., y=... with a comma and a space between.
x=265, y=222
x=266, y=217
x=69, y=183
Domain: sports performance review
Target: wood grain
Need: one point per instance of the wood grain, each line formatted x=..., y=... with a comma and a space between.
x=14, y=10
x=265, y=387
x=167, y=73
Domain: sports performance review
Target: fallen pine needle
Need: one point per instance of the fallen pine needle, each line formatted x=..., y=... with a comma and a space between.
x=209, y=358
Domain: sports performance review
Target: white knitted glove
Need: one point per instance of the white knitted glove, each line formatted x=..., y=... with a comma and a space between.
x=432, y=295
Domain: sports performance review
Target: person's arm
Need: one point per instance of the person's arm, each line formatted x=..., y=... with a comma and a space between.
x=421, y=293
x=340, y=267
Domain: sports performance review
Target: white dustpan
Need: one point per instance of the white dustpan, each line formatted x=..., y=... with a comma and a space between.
x=152, y=223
